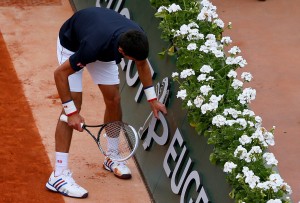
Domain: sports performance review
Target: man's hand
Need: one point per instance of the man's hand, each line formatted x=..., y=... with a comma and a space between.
x=156, y=106
x=75, y=121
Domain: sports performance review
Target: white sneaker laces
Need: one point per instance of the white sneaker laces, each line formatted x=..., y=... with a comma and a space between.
x=68, y=176
x=116, y=155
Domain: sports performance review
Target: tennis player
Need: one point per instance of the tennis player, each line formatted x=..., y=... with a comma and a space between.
x=95, y=39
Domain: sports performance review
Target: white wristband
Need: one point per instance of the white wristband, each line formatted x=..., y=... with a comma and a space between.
x=150, y=93
x=69, y=108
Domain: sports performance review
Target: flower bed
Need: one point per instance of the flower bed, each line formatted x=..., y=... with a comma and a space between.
x=217, y=102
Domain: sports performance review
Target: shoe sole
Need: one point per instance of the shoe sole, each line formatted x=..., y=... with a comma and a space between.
x=52, y=189
x=124, y=176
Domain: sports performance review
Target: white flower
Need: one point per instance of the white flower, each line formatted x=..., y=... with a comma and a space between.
x=248, y=112
x=240, y=61
x=270, y=158
x=250, y=178
x=207, y=13
x=258, y=123
x=184, y=29
x=219, y=23
x=276, y=178
x=254, y=150
x=187, y=72
x=201, y=77
x=205, y=89
x=215, y=99
x=245, y=139
x=242, y=122
x=232, y=74
x=204, y=49
x=193, y=24
x=193, y=32
x=275, y=183
x=205, y=108
x=210, y=78
x=269, y=138
x=181, y=94
x=218, y=53
x=230, y=122
x=229, y=60
x=258, y=119
x=206, y=69
x=247, y=96
x=208, y=4
x=219, y=120
x=214, y=105
x=288, y=188
x=226, y=40
x=228, y=166
x=175, y=74
x=258, y=134
x=162, y=8
x=189, y=103
x=250, y=123
x=211, y=37
x=240, y=152
x=247, y=76
x=198, y=101
x=230, y=111
x=192, y=46
x=211, y=45
x=274, y=201
x=236, y=61
x=234, y=50
x=174, y=8
x=252, y=181
x=263, y=185
x=236, y=84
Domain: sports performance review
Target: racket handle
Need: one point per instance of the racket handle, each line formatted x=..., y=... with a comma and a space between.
x=64, y=118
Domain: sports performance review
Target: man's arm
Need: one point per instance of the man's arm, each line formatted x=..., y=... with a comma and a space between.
x=61, y=75
x=146, y=79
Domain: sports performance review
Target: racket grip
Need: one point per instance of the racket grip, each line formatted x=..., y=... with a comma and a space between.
x=64, y=118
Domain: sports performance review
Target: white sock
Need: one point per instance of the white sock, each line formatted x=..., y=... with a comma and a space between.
x=112, y=144
x=61, y=162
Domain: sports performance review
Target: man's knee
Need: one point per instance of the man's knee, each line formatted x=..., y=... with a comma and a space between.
x=113, y=102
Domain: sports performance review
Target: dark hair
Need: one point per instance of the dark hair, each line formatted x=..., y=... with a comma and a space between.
x=134, y=44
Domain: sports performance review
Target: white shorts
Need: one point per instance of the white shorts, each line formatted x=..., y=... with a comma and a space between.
x=105, y=73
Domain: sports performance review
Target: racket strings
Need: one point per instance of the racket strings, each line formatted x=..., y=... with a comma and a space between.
x=119, y=139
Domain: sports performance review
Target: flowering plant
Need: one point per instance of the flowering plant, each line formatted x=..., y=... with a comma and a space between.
x=216, y=100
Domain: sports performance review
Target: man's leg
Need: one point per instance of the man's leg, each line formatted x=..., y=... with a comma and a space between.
x=113, y=112
x=63, y=137
x=63, y=133
x=61, y=178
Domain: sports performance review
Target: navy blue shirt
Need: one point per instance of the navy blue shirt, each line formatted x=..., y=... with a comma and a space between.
x=93, y=35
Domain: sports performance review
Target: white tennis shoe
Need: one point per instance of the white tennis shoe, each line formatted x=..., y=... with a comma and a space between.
x=65, y=185
x=118, y=168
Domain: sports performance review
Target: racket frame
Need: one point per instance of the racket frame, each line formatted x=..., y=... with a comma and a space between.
x=85, y=127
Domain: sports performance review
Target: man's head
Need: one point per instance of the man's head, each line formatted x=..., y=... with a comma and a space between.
x=134, y=45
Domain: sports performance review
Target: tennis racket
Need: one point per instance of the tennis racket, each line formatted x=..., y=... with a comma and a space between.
x=117, y=140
